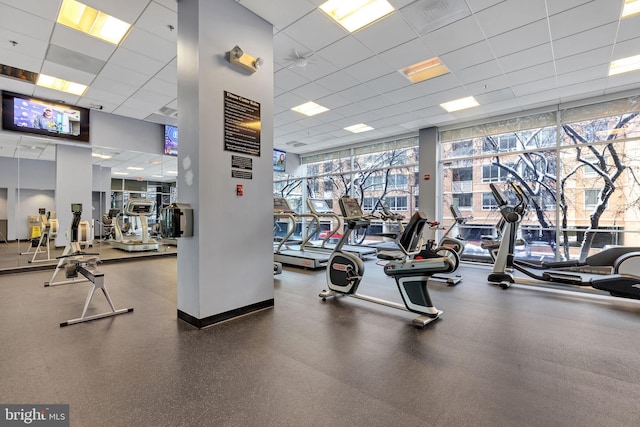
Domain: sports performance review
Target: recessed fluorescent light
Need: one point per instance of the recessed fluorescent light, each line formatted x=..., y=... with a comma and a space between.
x=61, y=85
x=425, y=70
x=355, y=14
x=156, y=176
x=631, y=7
x=100, y=156
x=92, y=21
x=310, y=109
x=361, y=127
x=624, y=65
x=460, y=104
x=133, y=168
x=172, y=172
x=121, y=173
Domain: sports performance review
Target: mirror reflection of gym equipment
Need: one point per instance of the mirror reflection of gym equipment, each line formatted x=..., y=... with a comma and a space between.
x=76, y=262
x=42, y=229
x=141, y=209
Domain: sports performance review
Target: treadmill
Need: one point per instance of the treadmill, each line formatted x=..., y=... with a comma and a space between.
x=321, y=209
x=297, y=255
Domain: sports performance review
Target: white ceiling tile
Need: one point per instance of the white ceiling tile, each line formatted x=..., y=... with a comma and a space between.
x=152, y=98
x=626, y=48
x=584, y=17
x=492, y=97
x=584, y=75
x=150, y=45
x=135, y=61
x=315, y=31
x=467, y=56
x=478, y=72
x=17, y=86
x=117, y=87
x=583, y=60
x=519, y=60
x=55, y=95
x=280, y=13
x=338, y=81
x=620, y=80
x=407, y=54
x=159, y=20
x=119, y=74
x=386, y=34
x=82, y=43
x=509, y=15
x=543, y=85
x=333, y=101
x=20, y=22
x=60, y=71
x=289, y=100
x=533, y=73
x=455, y=36
x=170, y=4
x=317, y=67
x=287, y=79
x=586, y=40
x=14, y=58
x=521, y=38
x=345, y=52
x=169, y=73
x=137, y=111
x=312, y=91
x=162, y=86
x=25, y=45
x=556, y=7
x=593, y=87
x=369, y=69
x=488, y=85
x=629, y=28
x=359, y=93
x=390, y=82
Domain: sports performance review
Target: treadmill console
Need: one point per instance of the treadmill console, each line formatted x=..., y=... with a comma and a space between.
x=350, y=208
x=140, y=207
x=280, y=204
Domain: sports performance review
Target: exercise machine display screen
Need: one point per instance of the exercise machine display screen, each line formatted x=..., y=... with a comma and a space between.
x=76, y=207
x=350, y=208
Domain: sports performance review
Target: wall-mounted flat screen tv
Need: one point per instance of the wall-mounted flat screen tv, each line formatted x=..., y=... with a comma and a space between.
x=23, y=113
x=170, y=140
x=279, y=160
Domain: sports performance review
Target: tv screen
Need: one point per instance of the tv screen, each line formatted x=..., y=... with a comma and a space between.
x=279, y=160
x=170, y=140
x=23, y=113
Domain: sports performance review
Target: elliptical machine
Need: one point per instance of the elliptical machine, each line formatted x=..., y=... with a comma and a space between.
x=345, y=270
x=624, y=282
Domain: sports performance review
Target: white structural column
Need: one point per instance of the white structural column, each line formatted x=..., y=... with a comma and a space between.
x=226, y=269
x=428, y=165
x=74, y=182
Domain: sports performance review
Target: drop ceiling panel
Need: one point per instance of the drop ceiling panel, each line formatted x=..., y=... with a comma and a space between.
x=532, y=73
x=509, y=15
x=105, y=95
x=455, y=36
x=15, y=58
x=583, y=60
x=135, y=61
x=626, y=48
x=82, y=43
x=318, y=67
x=390, y=82
x=289, y=100
x=333, y=101
x=345, y=52
x=280, y=13
x=556, y=7
x=55, y=95
x=315, y=31
x=586, y=40
x=161, y=86
x=16, y=86
x=582, y=18
x=407, y=54
x=386, y=34
x=21, y=22
x=543, y=85
x=70, y=74
x=157, y=19
x=520, y=39
x=106, y=85
x=312, y=91
x=629, y=28
x=26, y=45
x=117, y=73
x=593, y=88
x=359, y=93
x=152, y=98
x=338, y=81
x=478, y=72
x=170, y=4
x=169, y=73
x=150, y=45
x=369, y=69
x=584, y=75
x=519, y=60
x=467, y=56
x=287, y=79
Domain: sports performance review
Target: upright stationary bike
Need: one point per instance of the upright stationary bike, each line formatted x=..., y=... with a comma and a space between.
x=345, y=270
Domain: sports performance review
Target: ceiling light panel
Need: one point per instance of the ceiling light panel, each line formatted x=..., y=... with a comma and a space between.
x=353, y=15
x=92, y=21
x=61, y=85
x=310, y=109
x=425, y=70
x=361, y=127
x=460, y=104
x=624, y=65
x=631, y=7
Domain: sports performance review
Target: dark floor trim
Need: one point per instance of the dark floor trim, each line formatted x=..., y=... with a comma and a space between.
x=222, y=317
